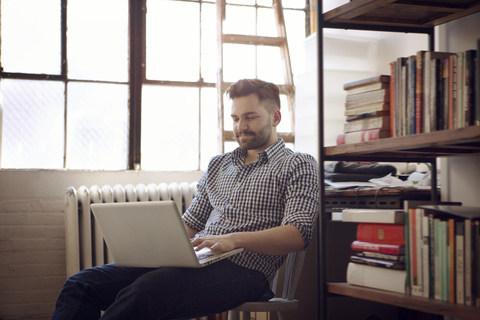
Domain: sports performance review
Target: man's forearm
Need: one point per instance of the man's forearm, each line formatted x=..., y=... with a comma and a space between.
x=274, y=241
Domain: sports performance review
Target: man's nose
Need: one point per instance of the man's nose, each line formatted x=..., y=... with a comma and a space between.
x=242, y=125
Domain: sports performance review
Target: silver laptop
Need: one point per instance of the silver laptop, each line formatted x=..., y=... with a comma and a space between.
x=150, y=234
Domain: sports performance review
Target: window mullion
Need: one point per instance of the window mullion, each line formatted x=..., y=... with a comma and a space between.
x=137, y=16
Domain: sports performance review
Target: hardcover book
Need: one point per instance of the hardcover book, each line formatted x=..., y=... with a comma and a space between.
x=378, y=278
x=381, y=233
x=373, y=215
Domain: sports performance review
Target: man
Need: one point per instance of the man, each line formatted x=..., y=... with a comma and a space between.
x=262, y=197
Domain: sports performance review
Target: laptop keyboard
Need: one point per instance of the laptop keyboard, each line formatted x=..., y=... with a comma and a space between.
x=201, y=256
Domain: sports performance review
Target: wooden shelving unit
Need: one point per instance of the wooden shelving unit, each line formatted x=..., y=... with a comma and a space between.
x=401, y=13
x=398, y=16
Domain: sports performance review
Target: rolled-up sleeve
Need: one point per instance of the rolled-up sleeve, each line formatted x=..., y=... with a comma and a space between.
x=302, y=195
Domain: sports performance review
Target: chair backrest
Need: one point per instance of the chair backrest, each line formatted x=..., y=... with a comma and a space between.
x=293, y=270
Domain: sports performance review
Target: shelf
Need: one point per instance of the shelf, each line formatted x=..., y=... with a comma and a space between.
x=406, y=301
x=444, y=143
x=406, y=13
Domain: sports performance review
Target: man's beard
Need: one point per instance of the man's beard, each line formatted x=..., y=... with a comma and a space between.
x=257, y=139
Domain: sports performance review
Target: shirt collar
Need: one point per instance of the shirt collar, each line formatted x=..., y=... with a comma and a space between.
x=266, y=154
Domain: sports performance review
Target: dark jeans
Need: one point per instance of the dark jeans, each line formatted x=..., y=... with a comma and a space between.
x=164, y=293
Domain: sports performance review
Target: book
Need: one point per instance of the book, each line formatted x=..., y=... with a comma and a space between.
x=383, y=256
x=419, y=92
x=468, y=262
x=419, y=246
x=465, y=216
x=428, y=86
x=382, y=122
x=366, y=115
x=367, y=98
x=476, y=264
x=373, y=215
x=377, y=247
x=459, y=262
x=459, y=114
x=369, y=87
x=361, y=136
x=469, y=104
x=400, y=66
x=410, y=105
x=381, y=106
x=381, y=233
x=378, y=263
x=378, y=278
x=392, y=97
x=366, y=81
x=451, y=260
x=477, y=86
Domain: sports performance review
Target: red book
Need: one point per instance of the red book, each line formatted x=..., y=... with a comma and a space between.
x=378, y=247
x=381, y=233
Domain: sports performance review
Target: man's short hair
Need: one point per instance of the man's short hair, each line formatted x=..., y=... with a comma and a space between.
x=265, y=91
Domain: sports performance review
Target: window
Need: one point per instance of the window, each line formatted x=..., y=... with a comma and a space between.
x=80, y=91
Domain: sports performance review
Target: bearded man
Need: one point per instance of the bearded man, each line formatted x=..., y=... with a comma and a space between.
x=262, y=197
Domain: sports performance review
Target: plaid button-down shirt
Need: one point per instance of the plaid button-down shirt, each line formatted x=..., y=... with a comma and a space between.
x=280, y=188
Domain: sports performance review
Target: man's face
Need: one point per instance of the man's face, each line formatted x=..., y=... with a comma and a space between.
x=252, y=123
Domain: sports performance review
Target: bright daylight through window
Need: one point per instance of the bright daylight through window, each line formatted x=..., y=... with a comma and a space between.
x=76, y=93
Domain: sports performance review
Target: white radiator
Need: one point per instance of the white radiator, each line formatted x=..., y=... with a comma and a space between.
x=84, y=242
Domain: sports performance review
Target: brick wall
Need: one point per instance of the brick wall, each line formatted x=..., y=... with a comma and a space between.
x=32, y=232
x=32, y=256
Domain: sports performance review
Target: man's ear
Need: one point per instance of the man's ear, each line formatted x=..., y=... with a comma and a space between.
x=277, y=117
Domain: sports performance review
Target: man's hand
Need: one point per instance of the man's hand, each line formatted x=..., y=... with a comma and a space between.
x=219, y=244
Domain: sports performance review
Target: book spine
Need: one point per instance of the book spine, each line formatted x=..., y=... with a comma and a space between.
x=367, y=81
x=477, y=86
x=408, y=281
x=476, y=283
x=425, y=254
x=419, y=92
x=382, y=122
x=468, y=262
x=459, y=262
x=470, y=57
x=437, y=259
x=459, y=123
x=362, y=136
x=378, y=263
x=381, y=233
x=431, y=257
x=375, y=247
x=451, y=260
x=378, y=278
x=392, y=98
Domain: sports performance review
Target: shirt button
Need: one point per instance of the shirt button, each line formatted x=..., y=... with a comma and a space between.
x=227, y=220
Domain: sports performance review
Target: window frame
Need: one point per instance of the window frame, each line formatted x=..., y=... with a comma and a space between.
x=136, y=73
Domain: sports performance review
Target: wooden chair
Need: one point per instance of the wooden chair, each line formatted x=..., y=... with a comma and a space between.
x=293, y=270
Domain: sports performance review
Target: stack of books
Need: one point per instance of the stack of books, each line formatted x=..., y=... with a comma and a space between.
x=379, y=259
x=433, y=91
x=447, y=253
x=367, y=110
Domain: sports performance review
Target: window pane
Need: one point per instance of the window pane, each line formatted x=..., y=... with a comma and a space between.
x=209, y=43
x=97, y=126
x=209, y=126
x=270, y=65
x=239, y=20
x=286, y=123
x=173, y=48
x=238, y=62
x=97, y=40
x=247, y=2
x=31, y=41
x=170, y=128
x=33, y=124
x=267, y=25
x=295, y=27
